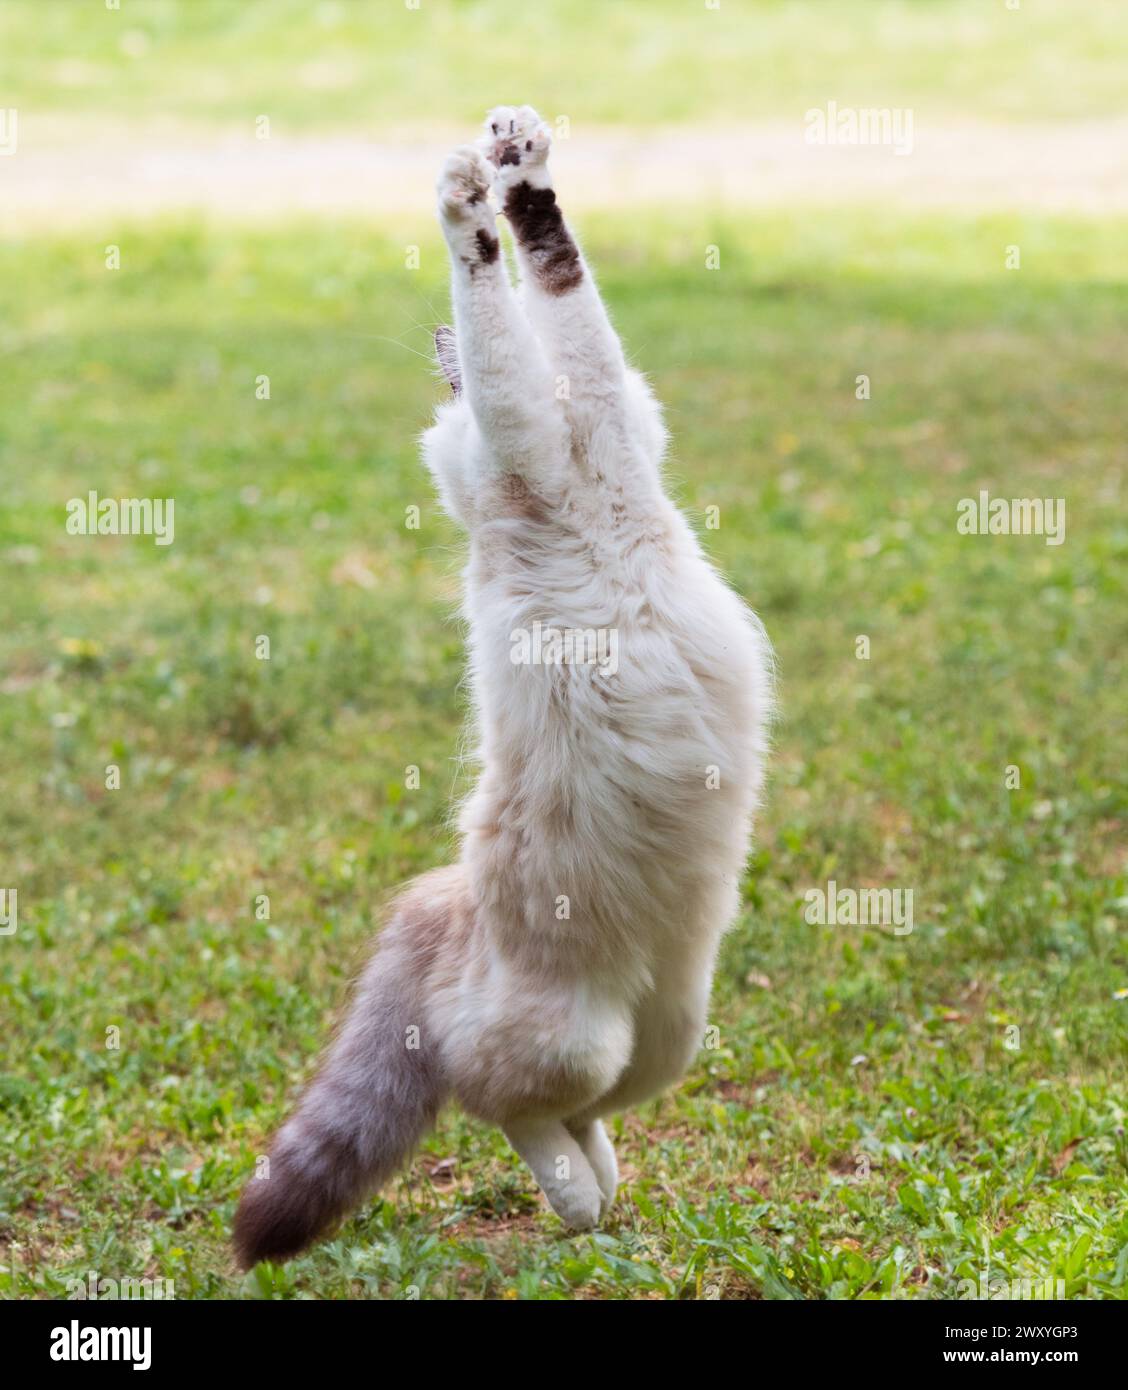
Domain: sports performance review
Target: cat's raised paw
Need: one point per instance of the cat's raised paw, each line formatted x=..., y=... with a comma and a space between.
x=515, y=139
x=464, y=183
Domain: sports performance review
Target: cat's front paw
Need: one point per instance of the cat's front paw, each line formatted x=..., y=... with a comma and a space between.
x=464, y=184
x=516, y=142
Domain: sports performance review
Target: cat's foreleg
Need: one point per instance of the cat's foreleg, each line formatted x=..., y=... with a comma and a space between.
x=561, y=297
x=504, y=372
x=562, y=1169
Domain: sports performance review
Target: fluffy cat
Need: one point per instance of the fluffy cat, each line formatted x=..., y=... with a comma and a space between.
x=561, y=970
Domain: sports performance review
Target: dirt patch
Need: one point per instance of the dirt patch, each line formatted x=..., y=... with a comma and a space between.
x=68, y=171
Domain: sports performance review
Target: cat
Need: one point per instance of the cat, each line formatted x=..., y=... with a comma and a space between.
x=561, y=969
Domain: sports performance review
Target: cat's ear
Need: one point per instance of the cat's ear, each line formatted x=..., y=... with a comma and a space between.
x=446, y=354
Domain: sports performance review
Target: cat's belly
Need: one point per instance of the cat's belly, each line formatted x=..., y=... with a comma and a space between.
x=621, y=765
x=589, y=882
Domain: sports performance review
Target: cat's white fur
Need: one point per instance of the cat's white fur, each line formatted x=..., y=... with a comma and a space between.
x=561, y=971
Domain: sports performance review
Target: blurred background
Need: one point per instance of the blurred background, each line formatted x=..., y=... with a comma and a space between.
x=195, y=197
x=261, y=109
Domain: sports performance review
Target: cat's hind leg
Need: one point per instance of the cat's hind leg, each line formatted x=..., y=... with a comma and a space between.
x=562, y=1169
x=561, y=298
x=504, y=373
x=600, y=1153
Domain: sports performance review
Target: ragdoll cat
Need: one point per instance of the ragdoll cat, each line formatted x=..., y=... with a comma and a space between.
x=561, y=969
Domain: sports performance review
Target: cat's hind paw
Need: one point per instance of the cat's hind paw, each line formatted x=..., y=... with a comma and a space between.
x=464, y=183
x=516, y=142
x=578, y=1204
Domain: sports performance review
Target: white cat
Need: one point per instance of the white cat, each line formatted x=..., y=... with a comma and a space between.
x=561, y=969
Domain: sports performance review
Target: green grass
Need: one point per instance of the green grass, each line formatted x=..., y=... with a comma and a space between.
x=379, y=64
x=838, y=1047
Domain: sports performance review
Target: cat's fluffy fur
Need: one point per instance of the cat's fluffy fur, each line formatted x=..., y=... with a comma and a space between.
x=561, y=969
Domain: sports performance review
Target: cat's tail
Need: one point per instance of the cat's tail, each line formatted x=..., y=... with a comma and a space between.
x=375, y=1095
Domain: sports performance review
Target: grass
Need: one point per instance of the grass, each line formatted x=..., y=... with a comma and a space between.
x=367, y=62
x=868, y=1124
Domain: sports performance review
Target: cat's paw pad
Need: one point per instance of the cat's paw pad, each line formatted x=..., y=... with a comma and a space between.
x=515, y=138
x=464, y=183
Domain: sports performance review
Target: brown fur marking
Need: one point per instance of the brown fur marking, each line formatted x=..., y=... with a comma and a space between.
x=539, y=226
x=521, y=500
x=488, y=246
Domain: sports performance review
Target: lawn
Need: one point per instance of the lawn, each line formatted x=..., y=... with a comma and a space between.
x=387, y=65
x=879, y=1115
